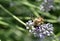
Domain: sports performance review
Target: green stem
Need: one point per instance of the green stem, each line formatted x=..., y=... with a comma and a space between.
x=50, y=20
x=12, y=15
x=8, y=25
x=55, y=38
x=57, y=1
x=30, y=5
x=4, y=23
x=43, y=13
x=34, y=12
x=28, y=18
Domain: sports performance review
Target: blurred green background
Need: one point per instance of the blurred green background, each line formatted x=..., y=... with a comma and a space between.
x=13, y=14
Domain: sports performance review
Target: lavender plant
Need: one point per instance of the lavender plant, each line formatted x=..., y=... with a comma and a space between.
x=17, y=32
x=41, y=31
x=46, y=5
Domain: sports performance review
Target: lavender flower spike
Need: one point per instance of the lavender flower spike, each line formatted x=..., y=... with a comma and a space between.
x=42, y=31
x=46, y=5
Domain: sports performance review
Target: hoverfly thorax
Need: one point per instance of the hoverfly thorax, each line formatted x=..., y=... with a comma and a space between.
x=38, y=21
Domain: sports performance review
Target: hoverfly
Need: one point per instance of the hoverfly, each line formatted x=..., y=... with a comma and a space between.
x=38, y=21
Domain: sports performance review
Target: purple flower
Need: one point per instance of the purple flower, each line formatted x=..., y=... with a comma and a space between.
x=46, y=5
x=41, y=31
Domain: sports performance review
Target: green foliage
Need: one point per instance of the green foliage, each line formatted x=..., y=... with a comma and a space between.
x=15, y=13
